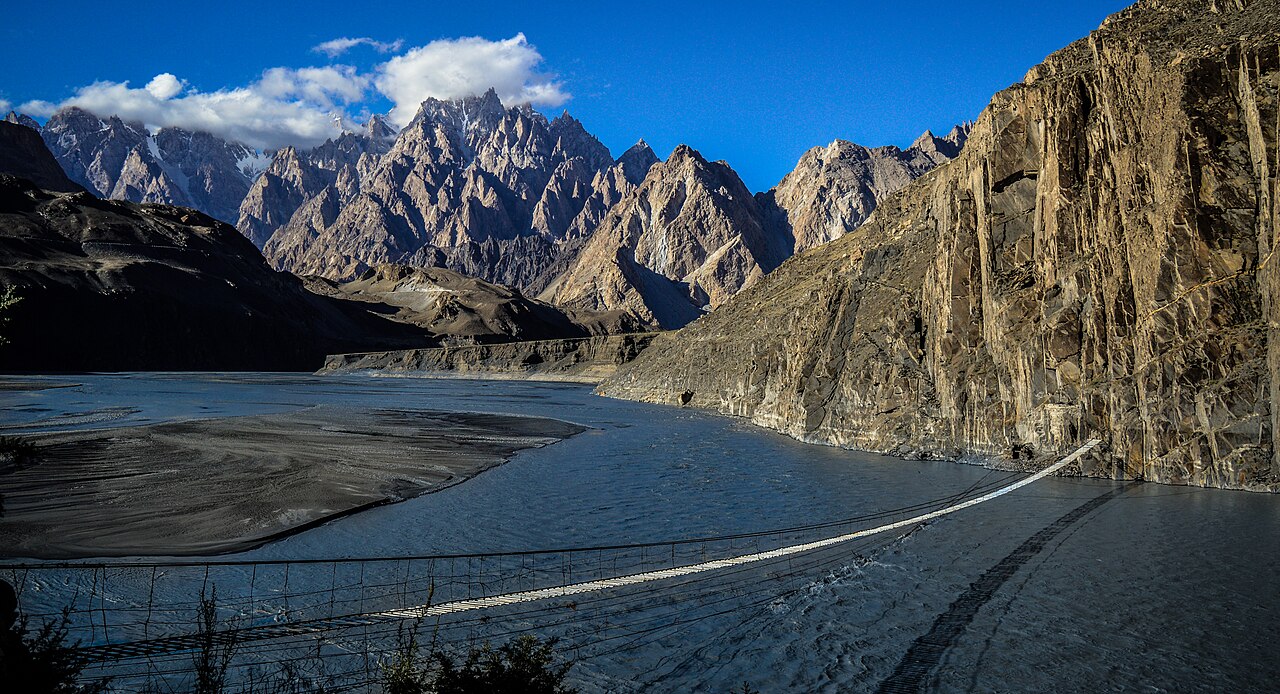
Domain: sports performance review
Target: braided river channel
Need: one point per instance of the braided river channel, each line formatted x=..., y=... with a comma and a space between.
x=1066, y=585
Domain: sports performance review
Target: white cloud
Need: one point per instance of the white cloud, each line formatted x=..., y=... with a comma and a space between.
x=454, y=68
x=299, y=106
x=38, y=108
x=285, y=107
x=5, y=105
x=164, y=86
x=326, y=86
x=337, y=47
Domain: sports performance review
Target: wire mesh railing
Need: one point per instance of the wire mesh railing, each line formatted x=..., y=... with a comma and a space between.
x=143, y=624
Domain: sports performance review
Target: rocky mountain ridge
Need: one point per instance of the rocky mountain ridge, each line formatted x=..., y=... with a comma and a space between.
x=1099, y=260
x=110, y=285
x=463, y=310
x=834, y=189
x=126, y=161
x=116, y=285
x=297, y=176
x=690, y=235
x=686, y=239
x=469, y=184
x=502, y=194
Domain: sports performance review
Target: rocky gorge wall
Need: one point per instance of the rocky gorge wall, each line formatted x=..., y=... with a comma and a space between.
x=581, y=360
x=1098, y=261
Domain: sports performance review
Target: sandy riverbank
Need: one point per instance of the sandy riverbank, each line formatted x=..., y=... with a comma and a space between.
x=229, y=484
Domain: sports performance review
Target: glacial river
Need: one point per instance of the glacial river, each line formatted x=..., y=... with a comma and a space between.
x=1153, y=588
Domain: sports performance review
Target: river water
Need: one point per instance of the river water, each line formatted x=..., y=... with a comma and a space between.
x=1153, y=588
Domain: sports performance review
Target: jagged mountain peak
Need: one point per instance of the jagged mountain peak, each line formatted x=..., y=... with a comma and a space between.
x=378, y=128
x=573, y=140
x=926, y=139
x=22, y=119
x=460, y=114
x=115, y=158
x=959, y=133
x=73, y=113
x=637, y=161
x=684, y=153
x=688, y=164
x=841, y=149
x=640, y=150
x=688, y=237
x=835, y=188
x=565, y=125
x=567, y=119
x=939, y=149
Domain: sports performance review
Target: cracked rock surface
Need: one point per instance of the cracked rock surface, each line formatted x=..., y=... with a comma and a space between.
x=1098, y=261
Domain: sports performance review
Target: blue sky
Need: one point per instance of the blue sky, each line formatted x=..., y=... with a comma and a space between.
x=755, y=84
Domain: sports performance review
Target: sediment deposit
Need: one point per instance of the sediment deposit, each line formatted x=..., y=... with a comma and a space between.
x=584, y=360
x=228, y=484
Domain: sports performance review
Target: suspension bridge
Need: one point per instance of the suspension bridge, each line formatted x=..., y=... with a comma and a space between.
x=133, y=620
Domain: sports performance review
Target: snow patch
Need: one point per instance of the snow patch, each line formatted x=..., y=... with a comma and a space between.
x=254, y=162
x=174, y=173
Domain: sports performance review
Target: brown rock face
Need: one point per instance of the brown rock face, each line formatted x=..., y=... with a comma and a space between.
x=1098, y=261
x=689, y=237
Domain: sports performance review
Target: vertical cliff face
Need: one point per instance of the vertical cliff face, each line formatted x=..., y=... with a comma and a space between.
x=1098, y=261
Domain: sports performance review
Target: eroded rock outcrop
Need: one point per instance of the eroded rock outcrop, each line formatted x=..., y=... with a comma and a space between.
x=1098, y=261
x=683, y=242
x=469, y=185
x=834, y=189
x=464, y=310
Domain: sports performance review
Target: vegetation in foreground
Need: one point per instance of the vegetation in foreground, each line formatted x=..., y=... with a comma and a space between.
x=524, y=665
x=39, y=662
x=43, y=662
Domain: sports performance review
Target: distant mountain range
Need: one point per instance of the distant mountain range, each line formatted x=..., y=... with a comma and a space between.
x=1095, y=257
x=119, y=285
x=503, y=194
